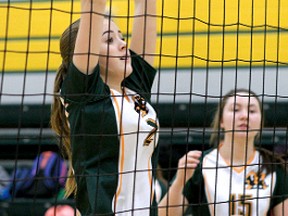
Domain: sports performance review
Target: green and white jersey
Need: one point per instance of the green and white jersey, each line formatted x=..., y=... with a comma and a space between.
x=114, y=141
x=217, y=188
x=137, y=143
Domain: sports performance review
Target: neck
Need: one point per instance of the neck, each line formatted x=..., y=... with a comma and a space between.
x=237, y=151
x=116, y=87
x=114, y=82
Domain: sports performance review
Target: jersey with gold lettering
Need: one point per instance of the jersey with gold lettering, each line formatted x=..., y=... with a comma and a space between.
x=114, y=141
x=218, y=188
x=135, y=189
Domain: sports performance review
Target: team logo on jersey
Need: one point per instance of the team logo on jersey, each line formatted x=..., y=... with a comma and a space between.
x=140, y=105
x=255, y=181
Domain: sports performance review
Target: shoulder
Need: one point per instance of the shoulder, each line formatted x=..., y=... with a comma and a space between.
x=142, y=77
x=210, y=154
x=138, y=62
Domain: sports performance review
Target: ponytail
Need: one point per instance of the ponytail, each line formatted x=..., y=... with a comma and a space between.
x=58, y=120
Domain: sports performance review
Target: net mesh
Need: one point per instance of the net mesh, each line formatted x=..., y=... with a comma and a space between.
x=204, y=49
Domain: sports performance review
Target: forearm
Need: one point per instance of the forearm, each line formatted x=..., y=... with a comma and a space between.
x=173, y=203
x=87, y=46
x=144, y=32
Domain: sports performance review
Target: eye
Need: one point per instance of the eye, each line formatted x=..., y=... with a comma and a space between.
x=109, y=40
x=123, y=39
x=236, y=109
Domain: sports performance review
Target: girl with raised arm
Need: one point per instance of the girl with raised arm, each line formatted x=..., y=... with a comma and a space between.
x=103, y=114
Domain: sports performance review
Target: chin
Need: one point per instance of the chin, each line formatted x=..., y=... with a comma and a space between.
x=245, y=135
x=128, y=71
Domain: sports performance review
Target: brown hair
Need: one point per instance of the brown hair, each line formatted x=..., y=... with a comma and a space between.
x=217, y=135
x=269, y=158
x=59, y=121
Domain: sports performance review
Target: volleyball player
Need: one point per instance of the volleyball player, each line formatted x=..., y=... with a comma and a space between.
x=235, y=177
x=109, y=130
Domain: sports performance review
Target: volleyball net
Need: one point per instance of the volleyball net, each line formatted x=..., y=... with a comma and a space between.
x=204, y=49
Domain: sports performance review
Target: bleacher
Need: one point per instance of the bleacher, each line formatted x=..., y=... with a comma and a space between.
x=25, y=132
x=26, y=129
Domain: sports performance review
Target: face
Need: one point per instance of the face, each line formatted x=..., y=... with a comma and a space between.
x=118, y=64
x=241, y=116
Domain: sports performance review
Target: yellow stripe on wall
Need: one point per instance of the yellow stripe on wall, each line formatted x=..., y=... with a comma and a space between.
x=197, y=34
x=227, y=48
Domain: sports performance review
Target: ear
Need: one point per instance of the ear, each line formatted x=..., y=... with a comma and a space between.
x=221, y=124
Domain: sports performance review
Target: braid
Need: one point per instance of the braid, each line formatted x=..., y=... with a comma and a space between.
x=58, y=120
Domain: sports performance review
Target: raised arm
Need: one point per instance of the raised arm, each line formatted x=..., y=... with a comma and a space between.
x=87, y=46
x=172, y=202
x=144, y=34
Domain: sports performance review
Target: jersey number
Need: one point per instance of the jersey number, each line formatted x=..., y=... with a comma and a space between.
x=150, y=136
x=239, y=205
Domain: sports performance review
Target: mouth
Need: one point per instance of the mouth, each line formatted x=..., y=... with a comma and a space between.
x=243, y=127
x=125, y=58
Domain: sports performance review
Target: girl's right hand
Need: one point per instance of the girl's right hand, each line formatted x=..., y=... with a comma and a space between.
x=187, y=165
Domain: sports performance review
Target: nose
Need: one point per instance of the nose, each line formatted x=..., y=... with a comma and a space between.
x=244, y=114
x=123, y=44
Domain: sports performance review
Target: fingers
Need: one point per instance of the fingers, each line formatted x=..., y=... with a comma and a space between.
x=190, y=160
x=186, y=167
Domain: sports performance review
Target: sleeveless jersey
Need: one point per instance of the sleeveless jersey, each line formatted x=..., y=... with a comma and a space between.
x=223, y=189
x=137, y=143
